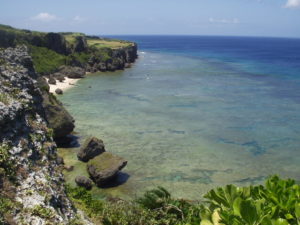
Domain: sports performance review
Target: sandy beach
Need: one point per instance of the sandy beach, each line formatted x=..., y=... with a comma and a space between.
x=65, y=85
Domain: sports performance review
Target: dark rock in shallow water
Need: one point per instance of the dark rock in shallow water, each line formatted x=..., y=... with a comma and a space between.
x=59, y=91
x=83, y=181
x=51, y=80
x=90, y=149
x=105, y=167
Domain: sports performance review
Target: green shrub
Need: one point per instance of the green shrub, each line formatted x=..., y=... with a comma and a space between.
x=4, y=98
x=45, y=60
x=81, y=57
x=276, y=203
x=42, y=212
x=6, y=163
x=6, y=205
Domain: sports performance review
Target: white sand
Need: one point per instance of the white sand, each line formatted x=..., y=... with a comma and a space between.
x=66, y=84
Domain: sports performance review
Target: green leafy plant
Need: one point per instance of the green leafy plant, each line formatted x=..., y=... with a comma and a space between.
x=276, y=203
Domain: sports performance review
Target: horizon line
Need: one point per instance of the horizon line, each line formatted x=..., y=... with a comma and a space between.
x=205, y=35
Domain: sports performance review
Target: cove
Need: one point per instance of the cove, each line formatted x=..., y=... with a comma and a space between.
x=190, y=123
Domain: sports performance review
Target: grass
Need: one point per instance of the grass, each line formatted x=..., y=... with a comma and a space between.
x=4, y=98
x=71, y=37
x=107, y=43
x=45, y=60
x=275, y=203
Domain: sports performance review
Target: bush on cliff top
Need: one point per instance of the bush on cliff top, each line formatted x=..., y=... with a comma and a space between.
x=276, y=203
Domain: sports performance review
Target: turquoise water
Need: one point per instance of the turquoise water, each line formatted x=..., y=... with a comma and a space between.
x=189, y=124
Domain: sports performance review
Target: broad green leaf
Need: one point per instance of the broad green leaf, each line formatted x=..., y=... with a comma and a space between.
x=297, y=210
x=206, y=222
x=280, y=222
x=248, y=212
x=237, y=206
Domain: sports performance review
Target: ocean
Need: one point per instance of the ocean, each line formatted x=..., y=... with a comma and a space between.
x=194, y=113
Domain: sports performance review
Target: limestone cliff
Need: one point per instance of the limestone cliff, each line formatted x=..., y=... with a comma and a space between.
x=31, y=182
x=51, y=50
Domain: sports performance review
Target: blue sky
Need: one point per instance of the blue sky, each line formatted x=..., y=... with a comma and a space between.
x=279, y=18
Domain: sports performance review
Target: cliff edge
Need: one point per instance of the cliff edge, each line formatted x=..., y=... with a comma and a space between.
x=31, y=180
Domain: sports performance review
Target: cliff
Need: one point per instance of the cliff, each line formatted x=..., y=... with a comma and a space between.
x=50, y=51
x=31, y=180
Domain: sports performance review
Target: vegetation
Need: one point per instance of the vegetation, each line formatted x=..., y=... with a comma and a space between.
x=276, y=203
x=6, y=164
x=42, y=212
x=107, y=43
x=4, y=98
x=46, y=60
x=6, y=205
x=71, y=37
x=47, y=57
x=10, y=37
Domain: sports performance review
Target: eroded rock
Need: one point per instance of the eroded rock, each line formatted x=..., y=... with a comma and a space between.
x=59, y=91
x=83, y=181
x=105, y=167
x=90, y=149
x=72, y=72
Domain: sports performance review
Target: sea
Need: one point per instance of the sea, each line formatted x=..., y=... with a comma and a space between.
x=193, y=113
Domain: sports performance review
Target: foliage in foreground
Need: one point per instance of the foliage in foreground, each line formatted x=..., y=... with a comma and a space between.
x=276, y=203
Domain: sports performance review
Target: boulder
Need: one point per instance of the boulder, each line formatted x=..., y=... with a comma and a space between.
x=59, y=76
x=59, y=160
x=69, y=168
x=72, y=72
x=83, y=181
x=105, y=167
x=51, y=80
x=57, y=116
x=59, y=91
x=90, y=149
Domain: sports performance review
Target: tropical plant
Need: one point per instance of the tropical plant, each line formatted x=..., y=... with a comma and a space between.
x=276, y=203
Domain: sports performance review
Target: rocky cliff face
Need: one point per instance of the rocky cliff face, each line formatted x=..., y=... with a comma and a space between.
x=118, y=59
x=31, y=182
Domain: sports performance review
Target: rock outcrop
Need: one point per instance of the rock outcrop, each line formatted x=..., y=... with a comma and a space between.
x=58, y=91
x=51, y=80
x=56, y=42
x=83, y=181
x=80, y=44
x=119, y=59
x=91, y=148
x=31, y=179
x=72, y=72
x=104, y=168
x=57, y=116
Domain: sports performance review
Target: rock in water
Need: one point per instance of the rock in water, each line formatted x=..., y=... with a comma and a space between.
x=90, y=149
x=83, y=181
x=59, y=91
x=105, y=167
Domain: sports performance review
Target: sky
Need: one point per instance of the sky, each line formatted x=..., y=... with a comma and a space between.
x=276, y=18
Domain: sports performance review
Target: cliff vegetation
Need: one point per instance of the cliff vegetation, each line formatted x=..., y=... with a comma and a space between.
x=50, y=51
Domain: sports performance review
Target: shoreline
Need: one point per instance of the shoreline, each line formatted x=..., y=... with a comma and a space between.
x=64, y=85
